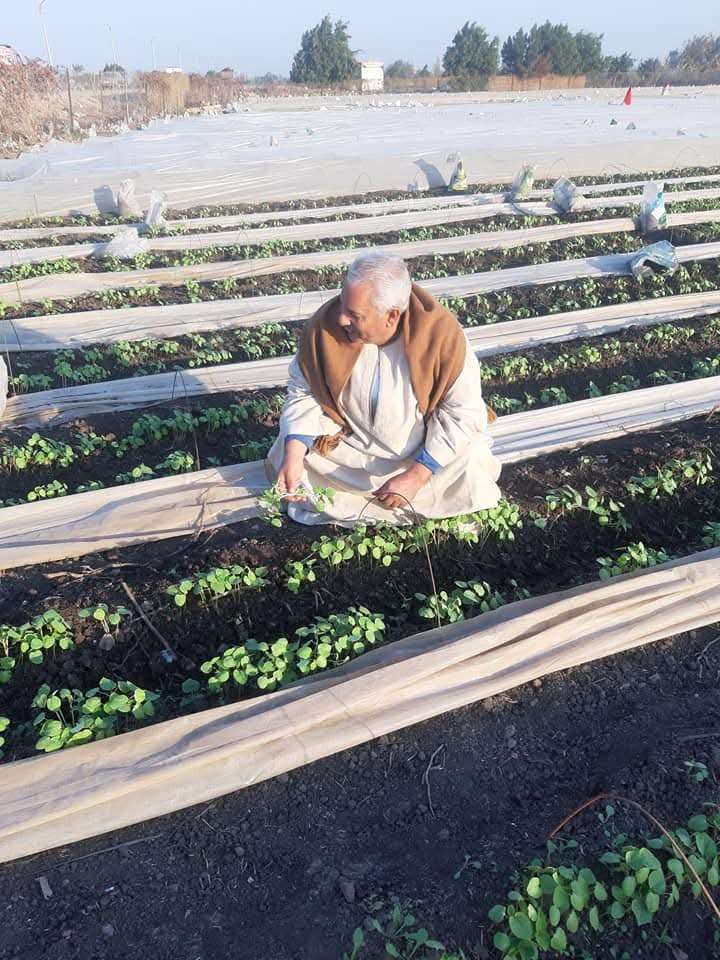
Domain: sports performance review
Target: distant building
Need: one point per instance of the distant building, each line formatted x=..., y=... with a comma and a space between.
x=227, y=73
x=172, y=70
x=372, y=76
x=9, y=55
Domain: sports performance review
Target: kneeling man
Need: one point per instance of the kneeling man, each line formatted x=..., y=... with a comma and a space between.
x=384, y=406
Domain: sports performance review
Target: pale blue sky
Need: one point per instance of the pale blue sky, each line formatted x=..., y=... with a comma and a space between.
x=257, y=37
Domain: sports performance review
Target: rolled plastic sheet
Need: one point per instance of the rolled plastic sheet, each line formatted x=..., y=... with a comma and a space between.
x=58, y=799
x=43, y=531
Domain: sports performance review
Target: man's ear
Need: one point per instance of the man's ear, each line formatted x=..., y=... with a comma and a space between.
x=392, y=317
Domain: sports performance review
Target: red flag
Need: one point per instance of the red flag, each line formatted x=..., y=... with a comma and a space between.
x=628, y=97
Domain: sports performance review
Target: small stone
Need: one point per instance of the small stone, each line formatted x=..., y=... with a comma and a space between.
x=108, y=930
x=66, y=934
x=348, y=890
x=240, y=851
x=384, y=740
x=510, y=730
x=537, y=683
x=444, y=834
x=512, y=743
x=284, y=777
x=488, y=704
x=655, y=678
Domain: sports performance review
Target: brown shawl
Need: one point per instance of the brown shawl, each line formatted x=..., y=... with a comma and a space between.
x=434, y=345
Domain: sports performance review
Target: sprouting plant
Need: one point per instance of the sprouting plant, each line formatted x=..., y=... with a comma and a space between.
x=178, y=461
x=218, y=582
x=468, y=598
x=4, y=724
x=332, y=640
x=636, y=556
x=667, y=478
x=108, y=618
x=697, y=771
x=711, y=531
x=271, y=501
x=70, y=717
x=33, y=640
x=299, y=572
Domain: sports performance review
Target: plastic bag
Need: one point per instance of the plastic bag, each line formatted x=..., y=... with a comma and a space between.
x=127, y=203
x=3, y=386
x=523, y=182
x=656, y=258
x=125, y=245
x=653, y=215
x=105, y=200
x=155, y=214
x=565, y=195
x=459, y=181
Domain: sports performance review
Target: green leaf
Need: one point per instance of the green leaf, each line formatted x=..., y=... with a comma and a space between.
x=53, y=703
x=501, y=942
x=558, y=941
x=572, y=922
x=534, y=888
x=652, y=902
x=561, y=899
x=698, y=823
x=497, y=913
x=521, y=926
x=554, y=915
x=594, y=918
x=628, y=886
x=617, y=910
x=600, y=892
x=641, y=912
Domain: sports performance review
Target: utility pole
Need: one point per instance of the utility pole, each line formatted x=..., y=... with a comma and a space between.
x=114, y=46
x=154, y=54
x=41, y=4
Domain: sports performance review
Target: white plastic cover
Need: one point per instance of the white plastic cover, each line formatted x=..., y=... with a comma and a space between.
x=55, y=800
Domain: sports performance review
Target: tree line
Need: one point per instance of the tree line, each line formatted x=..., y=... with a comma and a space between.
x=325, y=55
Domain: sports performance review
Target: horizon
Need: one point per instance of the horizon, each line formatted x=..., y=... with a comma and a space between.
x=90, y=38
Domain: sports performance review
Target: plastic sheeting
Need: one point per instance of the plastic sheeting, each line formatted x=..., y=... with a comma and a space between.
x=367, y=209
x=58, y=799
x=366, y=143
x=71, y=526
x=302, y=232
x=53, y=407
x=73, y=285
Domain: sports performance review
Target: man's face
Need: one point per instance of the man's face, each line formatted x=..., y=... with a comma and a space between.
x=360, y=318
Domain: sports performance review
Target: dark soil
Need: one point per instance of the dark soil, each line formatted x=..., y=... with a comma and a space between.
x=262, y=868
x=632, y=356
x=538, y=560
x=222, y=446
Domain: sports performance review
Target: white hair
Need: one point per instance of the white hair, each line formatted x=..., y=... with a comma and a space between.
x=388, y=275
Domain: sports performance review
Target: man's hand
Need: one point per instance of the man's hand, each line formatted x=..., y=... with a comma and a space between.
x=291, y=469
x=397, y=491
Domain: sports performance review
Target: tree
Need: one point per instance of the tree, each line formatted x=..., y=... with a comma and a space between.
x=515, y=54
x=472, y=53
x=622, y=64
x=400, y=68
x=78, y=68
x=589, y=47
x=701, y=52
x=649, y=69
x=552, y=48
x=113, y=68
x=324, y=55
x=424, y=71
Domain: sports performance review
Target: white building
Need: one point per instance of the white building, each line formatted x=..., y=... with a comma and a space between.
x=372, y=76
x=9, y=55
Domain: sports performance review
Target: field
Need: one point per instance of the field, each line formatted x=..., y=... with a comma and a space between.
x=410, y=711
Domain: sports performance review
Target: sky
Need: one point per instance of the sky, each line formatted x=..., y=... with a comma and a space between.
x=256, y=38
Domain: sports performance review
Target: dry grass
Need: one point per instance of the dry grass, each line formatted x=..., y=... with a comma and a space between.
x=27, y=95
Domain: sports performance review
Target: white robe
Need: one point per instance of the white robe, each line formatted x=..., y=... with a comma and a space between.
x=389, y=431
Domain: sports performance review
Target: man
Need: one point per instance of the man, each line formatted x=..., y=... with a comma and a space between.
x=384, y=406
